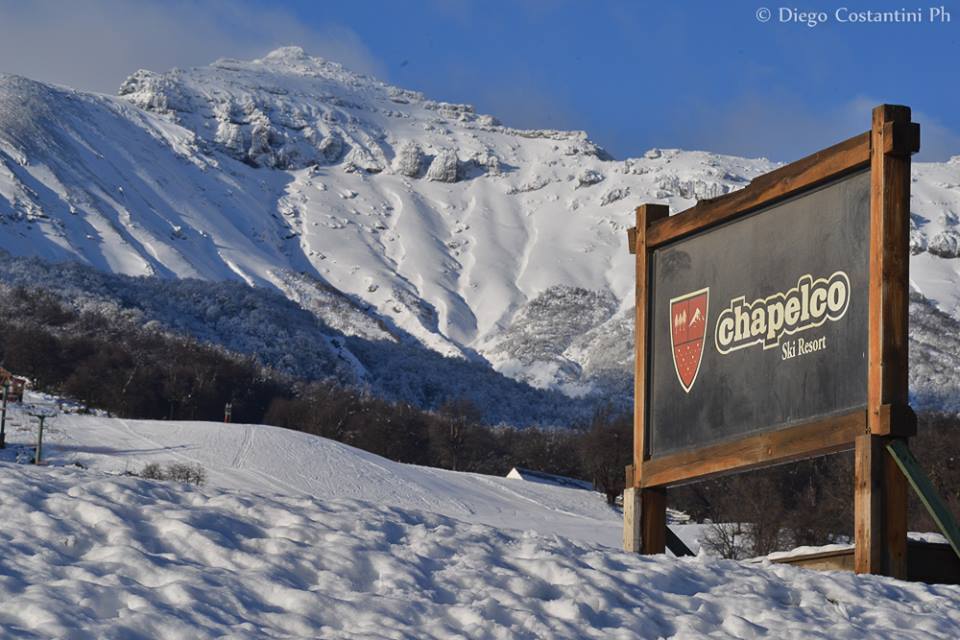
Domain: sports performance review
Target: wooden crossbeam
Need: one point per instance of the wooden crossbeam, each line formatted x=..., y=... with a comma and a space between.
x=926, y=492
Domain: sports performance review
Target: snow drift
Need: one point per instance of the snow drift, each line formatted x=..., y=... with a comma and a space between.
x=330, y=542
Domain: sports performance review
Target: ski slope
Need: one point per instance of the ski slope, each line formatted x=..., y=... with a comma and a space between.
x=271, y=460
x=294, y=536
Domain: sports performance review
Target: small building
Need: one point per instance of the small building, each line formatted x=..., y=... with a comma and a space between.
x=519, y=473
x=17, y=385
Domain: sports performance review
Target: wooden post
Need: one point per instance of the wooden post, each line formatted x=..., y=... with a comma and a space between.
x=3, y=416
x=39, y=441
x=631, y=520
x=880, y=498
x=880, y=510
x=653, y=520
x=651, y=515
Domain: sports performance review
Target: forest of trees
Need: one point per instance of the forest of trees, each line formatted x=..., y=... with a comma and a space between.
x=132, y=372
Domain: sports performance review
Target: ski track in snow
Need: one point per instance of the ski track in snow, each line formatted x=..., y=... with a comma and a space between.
x=88, y=556
x=263, y=458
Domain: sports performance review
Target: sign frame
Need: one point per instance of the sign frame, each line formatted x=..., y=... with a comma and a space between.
x=880, y=489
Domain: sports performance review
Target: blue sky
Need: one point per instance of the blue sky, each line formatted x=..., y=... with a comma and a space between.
x=703, y=75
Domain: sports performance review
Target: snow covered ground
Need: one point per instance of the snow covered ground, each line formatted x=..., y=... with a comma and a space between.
x=92, y=557
x=297, y=536
x=270, y=460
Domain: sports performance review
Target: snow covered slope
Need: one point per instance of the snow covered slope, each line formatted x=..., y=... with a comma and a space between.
x=475, y=239
x=296, y=536
x=271, y=460
x=90, y=557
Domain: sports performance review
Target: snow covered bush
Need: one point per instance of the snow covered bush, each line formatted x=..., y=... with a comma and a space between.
x=945, y=244
x=444, y=167
x=409, y=159
x=588, y=177
x=918, y=240
x=175, y=472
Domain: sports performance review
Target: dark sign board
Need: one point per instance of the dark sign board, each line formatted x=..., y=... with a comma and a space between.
x=771, y=326
x=761, y=323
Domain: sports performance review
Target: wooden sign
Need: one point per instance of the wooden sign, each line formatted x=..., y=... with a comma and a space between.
x=772, y=325
x=761, y=323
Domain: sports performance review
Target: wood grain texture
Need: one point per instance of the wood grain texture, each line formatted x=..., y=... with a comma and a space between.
x=828, y=435
x=631, y=520
x=867, y=529
x=880, y=510
x=889, y=268
x=894, y=514
x=647, y=214
x=880, y=494
x=842, y=158
x=653, y=520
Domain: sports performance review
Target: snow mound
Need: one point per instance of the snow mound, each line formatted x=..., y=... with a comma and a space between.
x=120, y=557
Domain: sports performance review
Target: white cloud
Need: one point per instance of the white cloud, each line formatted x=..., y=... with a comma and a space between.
x=95, y=44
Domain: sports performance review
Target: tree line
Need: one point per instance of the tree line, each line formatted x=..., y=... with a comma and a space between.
x=133, y=372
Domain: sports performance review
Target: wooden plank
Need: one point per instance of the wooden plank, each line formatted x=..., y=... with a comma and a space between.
x=901, y=138
x=926, y=562
x=880, y=510
x=821, y=437
x=889, y=270
x=866, y=507
x=839, y=560
x=894, y=514
x=653, y=520
x=842, y=158
x=647, y=214
x=631, y=520
x=880, y=502
x=927, y=493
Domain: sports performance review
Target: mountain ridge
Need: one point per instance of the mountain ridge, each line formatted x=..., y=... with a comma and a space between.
x=475, y=240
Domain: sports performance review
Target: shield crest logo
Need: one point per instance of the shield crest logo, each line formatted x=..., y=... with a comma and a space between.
x=688, y=325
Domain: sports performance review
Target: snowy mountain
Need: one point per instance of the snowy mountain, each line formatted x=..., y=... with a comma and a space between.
x=377, y=209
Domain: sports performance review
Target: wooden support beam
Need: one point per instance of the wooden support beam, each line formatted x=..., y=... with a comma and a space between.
x=845, y=157
x=927, y=493
x=880, y=498
x=653, y=520
x=889, y=266
x=647, y=214
x=880, y=510
x=651, y=516
x=677, y=546
x=631, y=520
x=825, y=436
